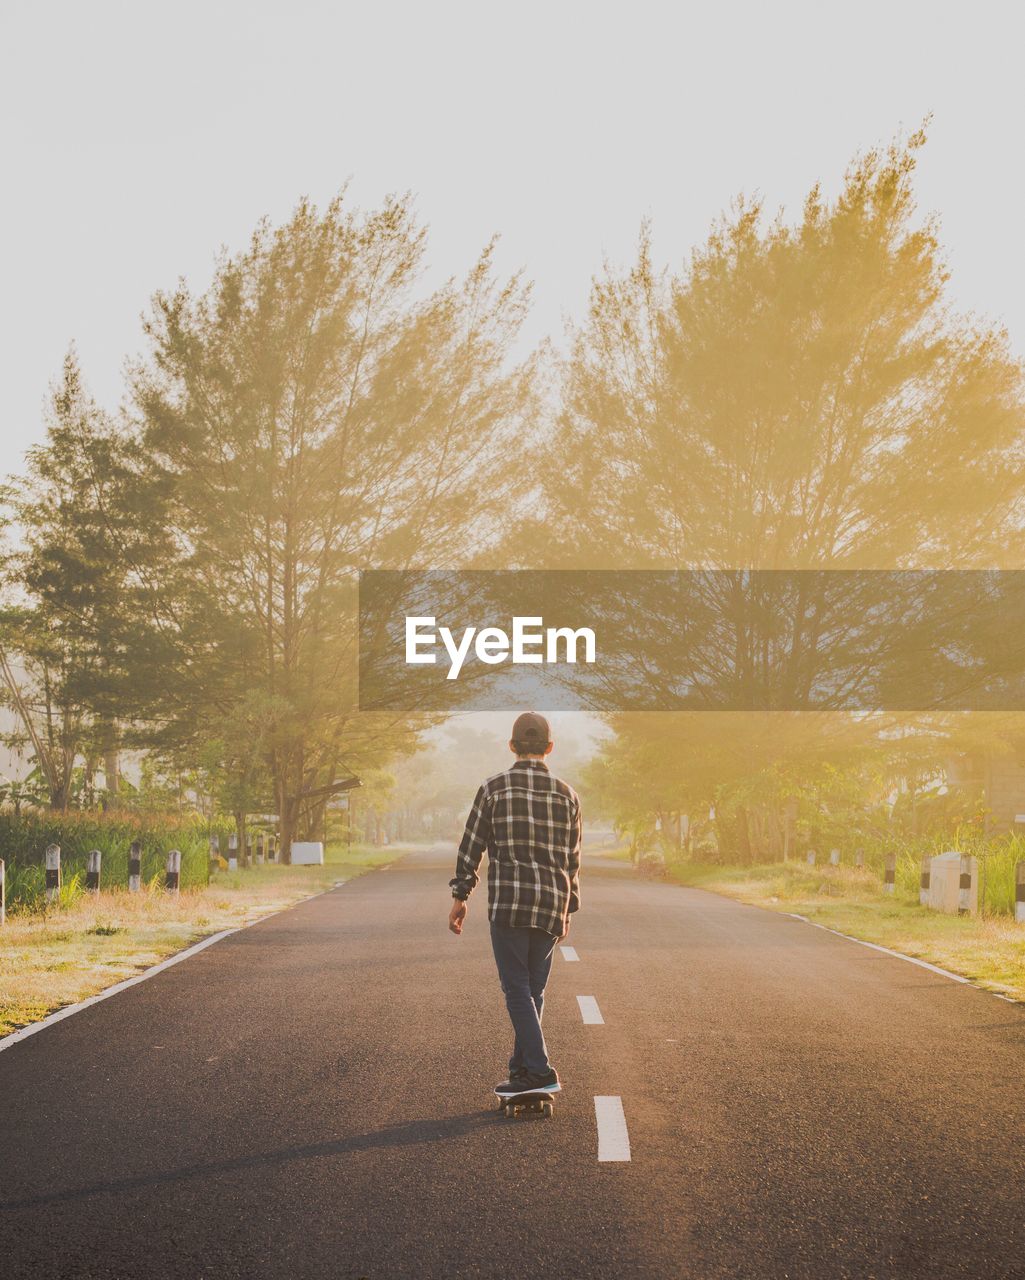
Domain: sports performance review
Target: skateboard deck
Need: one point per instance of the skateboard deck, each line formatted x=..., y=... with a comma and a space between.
x=539, y=1101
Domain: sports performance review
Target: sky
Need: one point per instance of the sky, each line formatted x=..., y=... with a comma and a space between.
x=136, y=139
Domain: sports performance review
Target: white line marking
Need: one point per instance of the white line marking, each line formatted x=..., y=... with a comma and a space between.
x=897, y=955
x=24, y=1032
x=874, y=946
x=590, y=1012
x=613, y=1138
x=68, y=1010
x=569, y=953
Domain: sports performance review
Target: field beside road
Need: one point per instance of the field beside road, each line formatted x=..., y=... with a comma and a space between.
x=52, y=958
x=989, y=950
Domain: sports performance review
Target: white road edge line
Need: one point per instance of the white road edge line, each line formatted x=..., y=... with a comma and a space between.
x=590, y=1012
x=24, y=1032
x=613, y=1138
x=60, y=1014
x=569, y=953
x=897, y=955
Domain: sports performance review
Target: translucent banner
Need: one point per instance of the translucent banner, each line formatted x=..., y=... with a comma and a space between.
x=437, y=641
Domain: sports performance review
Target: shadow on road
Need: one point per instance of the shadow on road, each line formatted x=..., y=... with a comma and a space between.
x=397, y=1135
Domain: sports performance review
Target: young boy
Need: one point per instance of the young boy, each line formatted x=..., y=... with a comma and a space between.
x=529, y=823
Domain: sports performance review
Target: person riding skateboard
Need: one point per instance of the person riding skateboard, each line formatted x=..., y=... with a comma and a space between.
x=528, y=821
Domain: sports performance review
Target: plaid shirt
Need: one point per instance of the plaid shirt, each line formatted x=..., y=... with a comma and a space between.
x=529, y=823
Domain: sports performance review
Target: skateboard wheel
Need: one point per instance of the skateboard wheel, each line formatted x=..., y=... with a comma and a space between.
x=547, y=1109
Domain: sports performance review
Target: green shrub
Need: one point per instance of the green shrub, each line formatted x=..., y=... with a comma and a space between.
x=23, y=841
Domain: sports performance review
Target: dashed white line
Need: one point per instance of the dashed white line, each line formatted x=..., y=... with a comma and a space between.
x=613, y=1138
x=569, y=953
x=590, y=1012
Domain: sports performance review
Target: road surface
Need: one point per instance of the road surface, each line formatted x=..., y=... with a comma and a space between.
x=310, y=1097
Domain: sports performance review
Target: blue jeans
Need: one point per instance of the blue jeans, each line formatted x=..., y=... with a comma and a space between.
x=524, y=959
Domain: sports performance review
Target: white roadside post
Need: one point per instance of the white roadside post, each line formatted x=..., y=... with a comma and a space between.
x=859, y=858
x=53, y=872
x=890, y=874
x=944, y=881
x=271, y=848
x=174, y=867
x=811, y=857
x=259, y=849
x=233, y=851
x=834, y=857
x=1019, y=891
x=92, y=870
x=215, y=853
x=924, y=880
x=3, y=894
x=134, y=867
x=968, y=887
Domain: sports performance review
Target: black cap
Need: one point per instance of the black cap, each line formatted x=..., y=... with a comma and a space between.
x=531, y=733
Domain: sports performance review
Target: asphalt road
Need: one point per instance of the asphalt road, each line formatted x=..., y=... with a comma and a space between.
x=311, y=1098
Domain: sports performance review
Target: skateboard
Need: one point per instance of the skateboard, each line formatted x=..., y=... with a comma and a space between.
x=539, y=1101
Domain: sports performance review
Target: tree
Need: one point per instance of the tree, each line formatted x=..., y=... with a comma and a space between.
x=306, y=418
x=798, y=396
x=64, y=591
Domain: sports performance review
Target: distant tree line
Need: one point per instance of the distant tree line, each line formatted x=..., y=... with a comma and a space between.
x=181, y=575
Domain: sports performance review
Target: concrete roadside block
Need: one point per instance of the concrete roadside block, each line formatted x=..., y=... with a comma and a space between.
x=945, y=881
x=233, y=851
x=53, y=872
x=1019, y=892
x=890, y=873
x=811, y=857
x=92, y=870
x=259, y=849
x=134, y=867
x=834, y=857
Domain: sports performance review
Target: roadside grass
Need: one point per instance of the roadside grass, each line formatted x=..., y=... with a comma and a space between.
x=50, y=958
x=990, y=949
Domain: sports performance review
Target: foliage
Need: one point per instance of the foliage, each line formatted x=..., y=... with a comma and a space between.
x=306, y=418
x=23, y=842
x=796, y=396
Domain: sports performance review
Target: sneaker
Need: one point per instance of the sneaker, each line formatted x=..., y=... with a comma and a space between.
x=529, y=1083
x=513, y=1083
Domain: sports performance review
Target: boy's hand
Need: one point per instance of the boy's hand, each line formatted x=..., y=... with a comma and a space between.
x=566, y=933
x=457, y=915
